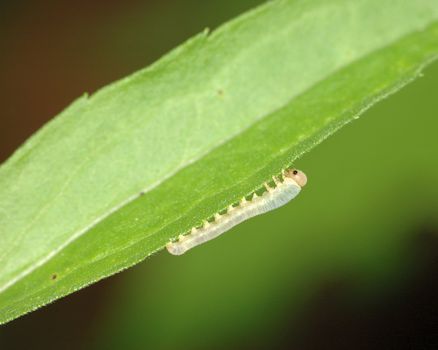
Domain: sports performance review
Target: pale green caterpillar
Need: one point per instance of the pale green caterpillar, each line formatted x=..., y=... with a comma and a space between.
x=284, y=191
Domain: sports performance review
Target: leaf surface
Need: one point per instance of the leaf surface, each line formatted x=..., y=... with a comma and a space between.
x=117, y=175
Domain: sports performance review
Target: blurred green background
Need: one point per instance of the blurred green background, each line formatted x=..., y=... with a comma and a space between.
x=353, y=260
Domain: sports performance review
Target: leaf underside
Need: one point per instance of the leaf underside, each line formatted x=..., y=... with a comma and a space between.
x=147, y=158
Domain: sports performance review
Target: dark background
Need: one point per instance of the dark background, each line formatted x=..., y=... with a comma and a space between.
x=353, y=261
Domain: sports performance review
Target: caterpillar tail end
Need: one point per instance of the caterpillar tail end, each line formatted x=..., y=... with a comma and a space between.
x=174, y=249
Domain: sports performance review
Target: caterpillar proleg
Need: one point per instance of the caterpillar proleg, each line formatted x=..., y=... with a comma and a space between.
x=284, y=191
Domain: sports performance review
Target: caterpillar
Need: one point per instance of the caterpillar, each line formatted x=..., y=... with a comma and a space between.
x=284, y=191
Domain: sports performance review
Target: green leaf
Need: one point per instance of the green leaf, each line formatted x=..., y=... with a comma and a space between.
x=117, y=175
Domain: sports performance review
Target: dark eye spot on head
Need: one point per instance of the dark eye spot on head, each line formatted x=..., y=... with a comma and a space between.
x=220, y=92
x=54, y=276
x=295, y=172
x=142, y=193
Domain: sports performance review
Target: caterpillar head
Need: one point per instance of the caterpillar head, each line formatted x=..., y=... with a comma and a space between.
x=297, y=175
